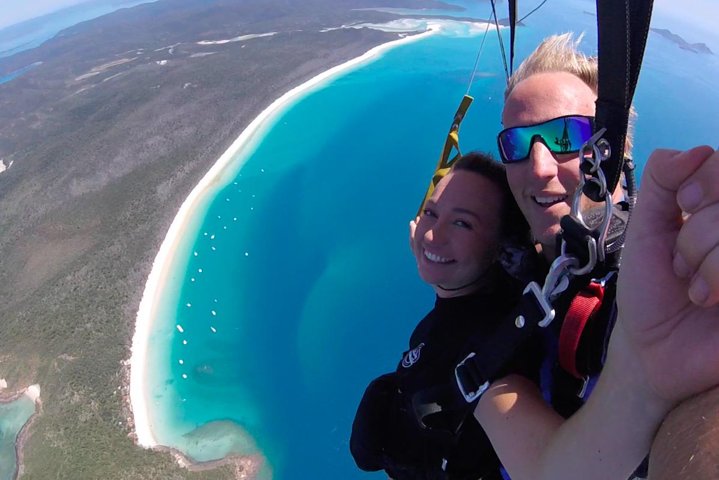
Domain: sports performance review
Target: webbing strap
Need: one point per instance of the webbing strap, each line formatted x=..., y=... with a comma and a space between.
x=512, y=32
x=444, y=406
x=582, y=309
x=623, y=27
x=451, y=144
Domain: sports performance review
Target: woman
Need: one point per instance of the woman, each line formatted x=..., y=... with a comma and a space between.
x=456, y=242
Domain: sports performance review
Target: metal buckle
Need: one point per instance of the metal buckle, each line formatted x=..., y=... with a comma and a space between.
x=594, y=254
x=561, y=267
x=542, y=301
x=593, y=152
x=470, y=396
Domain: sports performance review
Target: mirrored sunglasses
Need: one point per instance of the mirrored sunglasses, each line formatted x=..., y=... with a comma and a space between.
x=560, y=135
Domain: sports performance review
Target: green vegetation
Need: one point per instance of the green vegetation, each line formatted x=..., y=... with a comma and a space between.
x=100, y=168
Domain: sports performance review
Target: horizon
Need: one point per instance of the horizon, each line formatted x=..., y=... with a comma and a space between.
x=698, y=12
x=16, y=14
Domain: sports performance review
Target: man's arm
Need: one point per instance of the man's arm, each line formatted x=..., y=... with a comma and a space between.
x=664, y=348
x=687, y=444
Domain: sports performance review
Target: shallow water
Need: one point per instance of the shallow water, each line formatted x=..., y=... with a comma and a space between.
x=296, y=287
x=13, y=416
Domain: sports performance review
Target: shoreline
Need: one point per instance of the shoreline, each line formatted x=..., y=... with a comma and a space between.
x=161, y=267
x=33, y=393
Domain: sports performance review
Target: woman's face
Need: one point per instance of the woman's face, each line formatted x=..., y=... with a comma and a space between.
x=457, y=235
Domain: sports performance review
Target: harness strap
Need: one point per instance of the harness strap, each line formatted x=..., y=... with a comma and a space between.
x=512, y=32
x=445, y=406
x=582, y=309
x=623, y=27
x=451, y=144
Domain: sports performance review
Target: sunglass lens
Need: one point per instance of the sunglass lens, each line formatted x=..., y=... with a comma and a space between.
x=560, y=135
x=566, y=135
x=513, y=146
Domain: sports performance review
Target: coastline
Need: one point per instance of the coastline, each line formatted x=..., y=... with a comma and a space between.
x=33, y=393
x=162, y=265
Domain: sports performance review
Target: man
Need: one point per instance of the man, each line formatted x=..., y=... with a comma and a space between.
x=665, y=344
x=687, y=444
x=555, y=82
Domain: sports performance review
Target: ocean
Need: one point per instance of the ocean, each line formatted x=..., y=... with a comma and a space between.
x=299, y=287
x=293, y=285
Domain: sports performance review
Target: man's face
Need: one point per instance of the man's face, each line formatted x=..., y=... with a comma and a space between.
x=457, y=235
x=544, y=183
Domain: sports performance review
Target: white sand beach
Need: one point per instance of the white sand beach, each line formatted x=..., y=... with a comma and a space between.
x=212, y=180
x=32, y=392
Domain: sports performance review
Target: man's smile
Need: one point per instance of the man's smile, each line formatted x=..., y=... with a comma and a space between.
x=548, y=200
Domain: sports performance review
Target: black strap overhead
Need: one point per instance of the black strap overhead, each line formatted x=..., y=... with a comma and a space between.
x=623, y=27
x=512, y=32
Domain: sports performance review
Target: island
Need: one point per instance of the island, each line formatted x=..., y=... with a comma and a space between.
x=681, y=43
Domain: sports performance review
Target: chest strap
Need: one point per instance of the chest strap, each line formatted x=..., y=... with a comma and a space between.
x=445, y=406
x=582, y=309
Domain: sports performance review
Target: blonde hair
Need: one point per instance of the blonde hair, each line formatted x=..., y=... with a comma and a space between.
x=560, y=53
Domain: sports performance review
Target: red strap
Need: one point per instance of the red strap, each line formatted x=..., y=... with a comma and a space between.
x=583, y=307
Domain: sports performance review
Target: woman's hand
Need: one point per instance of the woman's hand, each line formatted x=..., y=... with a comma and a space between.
x=412, y=229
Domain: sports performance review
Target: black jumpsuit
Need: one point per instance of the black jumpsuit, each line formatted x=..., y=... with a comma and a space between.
x=385, y=432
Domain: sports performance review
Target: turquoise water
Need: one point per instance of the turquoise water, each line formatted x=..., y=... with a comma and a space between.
x=295, y=285
x=13, y=416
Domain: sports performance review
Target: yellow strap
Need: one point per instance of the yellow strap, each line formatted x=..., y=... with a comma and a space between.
x=450, y=144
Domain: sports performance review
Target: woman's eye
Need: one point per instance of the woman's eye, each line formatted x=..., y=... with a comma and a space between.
x=428, y=213
x=463, y=224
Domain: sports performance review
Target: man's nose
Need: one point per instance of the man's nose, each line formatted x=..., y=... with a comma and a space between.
x=543, y=163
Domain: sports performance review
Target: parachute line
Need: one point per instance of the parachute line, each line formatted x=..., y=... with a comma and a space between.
x=501, y=42
x=479, y=55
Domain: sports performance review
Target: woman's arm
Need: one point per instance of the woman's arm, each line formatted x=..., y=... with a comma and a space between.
x=606, y=439
x=372, y=423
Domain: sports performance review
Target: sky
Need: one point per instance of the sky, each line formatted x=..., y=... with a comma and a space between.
x=702, y=11
x=697, y=12
x=702, y=14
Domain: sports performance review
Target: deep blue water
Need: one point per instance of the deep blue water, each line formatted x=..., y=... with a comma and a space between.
x=297, y=287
